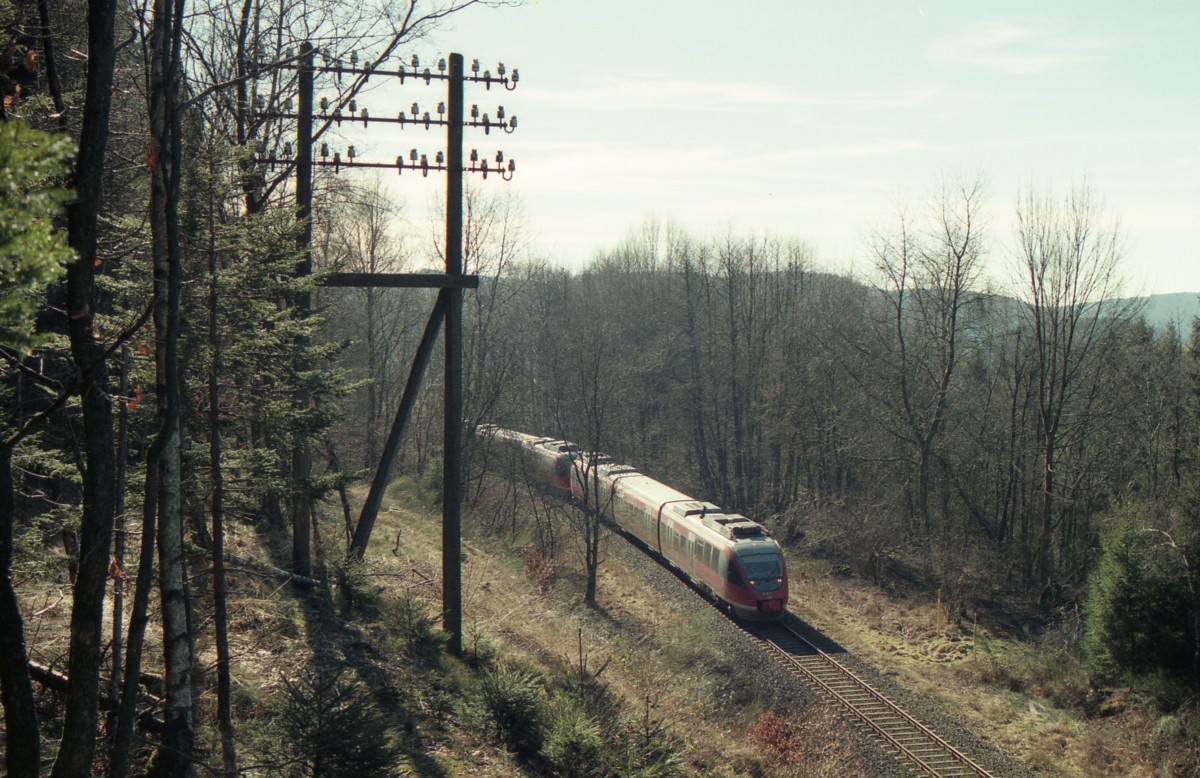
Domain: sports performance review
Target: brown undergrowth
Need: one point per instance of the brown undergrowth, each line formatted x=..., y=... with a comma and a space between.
x=1019, y=682
x=356, y=670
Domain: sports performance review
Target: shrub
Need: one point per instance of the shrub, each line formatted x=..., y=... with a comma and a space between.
x=809, y=743
x=507, y=705
x=423, y=640
x=572, y=746
x=781, y=737
x=429, y=485
x=643, y=747
x=328, y=727
x=357, y=594
x=540, y=569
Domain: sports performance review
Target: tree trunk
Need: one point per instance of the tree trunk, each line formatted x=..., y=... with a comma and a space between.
x=122, y=737
x=174, y=756
x=220, y=606
x=1195, y=629
x=20, y=712
x=301, y=458
x=118, y=606
x=374, y=385
x=78, y=743
x=591, y=518
x=1044, y=566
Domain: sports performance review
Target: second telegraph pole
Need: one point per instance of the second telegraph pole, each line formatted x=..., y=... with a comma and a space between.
x=453, y=420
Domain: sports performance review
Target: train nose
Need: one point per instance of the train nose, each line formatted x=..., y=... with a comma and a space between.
x=770, y=607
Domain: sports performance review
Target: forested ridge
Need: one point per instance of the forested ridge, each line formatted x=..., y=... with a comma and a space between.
x=1022, y=443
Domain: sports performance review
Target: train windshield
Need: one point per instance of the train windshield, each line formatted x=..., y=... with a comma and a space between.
x=763, y=568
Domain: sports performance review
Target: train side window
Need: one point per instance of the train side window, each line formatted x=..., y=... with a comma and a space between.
x=732, y=575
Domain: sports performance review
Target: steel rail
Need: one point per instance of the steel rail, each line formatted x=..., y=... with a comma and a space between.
x=962, y=764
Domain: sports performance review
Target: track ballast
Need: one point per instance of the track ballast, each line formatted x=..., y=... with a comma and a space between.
x=906, y=738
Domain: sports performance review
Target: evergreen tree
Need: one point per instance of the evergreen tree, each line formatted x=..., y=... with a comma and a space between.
x=1137, y=607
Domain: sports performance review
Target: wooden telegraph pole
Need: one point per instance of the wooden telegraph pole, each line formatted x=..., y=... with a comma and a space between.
x=453, y=417
x=449, y=306
x=299, y=507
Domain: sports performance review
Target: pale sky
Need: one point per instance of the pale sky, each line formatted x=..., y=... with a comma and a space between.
x=813, y=120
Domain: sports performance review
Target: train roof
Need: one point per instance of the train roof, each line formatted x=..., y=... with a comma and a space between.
x=501, y=433
x=636, y=485
x=650, y=491
x=614, y=470
x=554, y=444
x=735, y=526
x=729, y=525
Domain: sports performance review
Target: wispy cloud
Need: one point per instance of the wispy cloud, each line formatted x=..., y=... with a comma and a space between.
x=1015, y=49
x=626, y=170
x=627, y=93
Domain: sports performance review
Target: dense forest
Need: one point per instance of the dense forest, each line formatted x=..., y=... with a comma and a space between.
x=173, y=367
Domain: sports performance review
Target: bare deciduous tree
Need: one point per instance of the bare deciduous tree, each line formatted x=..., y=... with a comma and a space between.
x=928, y=278
x=1069, y=256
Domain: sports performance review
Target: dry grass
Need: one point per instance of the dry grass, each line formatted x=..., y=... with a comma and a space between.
x=1033, y=703
x=654, y=653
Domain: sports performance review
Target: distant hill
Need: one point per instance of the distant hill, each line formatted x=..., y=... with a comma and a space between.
x=1163, y=310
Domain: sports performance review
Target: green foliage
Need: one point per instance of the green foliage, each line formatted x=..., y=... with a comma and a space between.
x=279, y=390
x=418, y=630
x=32, y=538
x=507, y=704
x=358, y=596
x=573, y=746
x=414, y=630
x=1162, y=690
x=429, y=487
x=328, y=726
x=1137, y=605
x=642, y=747
x=32, y=252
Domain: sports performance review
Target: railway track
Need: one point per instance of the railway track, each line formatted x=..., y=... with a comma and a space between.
x=913, y=744
x=917, y=748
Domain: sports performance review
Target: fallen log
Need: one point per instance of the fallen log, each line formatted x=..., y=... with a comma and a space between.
x=275, y=571
x=52, y=679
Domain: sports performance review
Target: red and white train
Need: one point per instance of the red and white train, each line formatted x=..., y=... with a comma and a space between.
x=728, y=556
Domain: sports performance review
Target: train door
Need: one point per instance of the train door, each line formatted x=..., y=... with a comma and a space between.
x=681, y=547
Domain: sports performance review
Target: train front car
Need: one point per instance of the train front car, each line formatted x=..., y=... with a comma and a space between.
x=728, y=556
x=752, y=575
x=763, y=578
